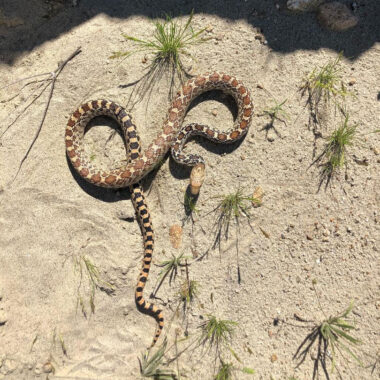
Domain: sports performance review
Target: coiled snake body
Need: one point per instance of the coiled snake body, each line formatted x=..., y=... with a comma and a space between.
x=173, y=136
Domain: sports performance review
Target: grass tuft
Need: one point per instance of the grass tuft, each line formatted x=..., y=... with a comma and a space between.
x=150, y=366
x=331, y=337
x=325, y=83
x=335, y=151
x=276, y=112
x=87, y=268
x=217, y=333
x=232, y=206
x=225, y=372
x=167, y=47
x=188, y=291
x=333, y=157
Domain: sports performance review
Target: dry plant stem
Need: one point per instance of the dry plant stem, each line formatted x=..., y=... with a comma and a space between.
x=53, y=78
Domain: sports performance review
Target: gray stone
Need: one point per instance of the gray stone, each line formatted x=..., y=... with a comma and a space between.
x=336, y=16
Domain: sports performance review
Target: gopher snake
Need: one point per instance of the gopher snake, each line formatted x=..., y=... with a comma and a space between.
x=173, y=136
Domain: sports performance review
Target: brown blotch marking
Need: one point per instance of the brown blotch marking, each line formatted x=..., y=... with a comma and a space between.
x=149, y=153
x=172, y=116
x=210, y=132
x=125, y=174
x=234, y=135
x=96, y=178
x=177, y=103
x=76, y=163
x=188, y=128
x=169, y=138
x=176, y=146
x=85, y=107
x=69, y=143
x=103, y=103
x=244, y=124
x=214, y=77
x=71, y=123
x=69, y=132
x=199, y=81
x=110, y=179
x=242, y=90
x=168, y=129
x=222, y=136
x=94, y=104
x=186, y=90
x=181, y=136
x=247, y=112
x=226, y=78
x=199, y=127
x=76, y=114
x=181, y=157
x=84, y=172
x=159, y=141
x=246, y=100
x=139, y=164
x=234, y=82
x=71, y=153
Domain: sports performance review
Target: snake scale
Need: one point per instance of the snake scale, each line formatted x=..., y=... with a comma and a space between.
x=173, y=136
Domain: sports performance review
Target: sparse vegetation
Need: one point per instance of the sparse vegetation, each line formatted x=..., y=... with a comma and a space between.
x=86, y=268
x=331, y=336
x=217, y=333
x=226, y=371
x=167, y=48
x=277, y=112
x=231, y=206
x=335, y=151
x=188, y=292
x=323, y=85
x=150, y=366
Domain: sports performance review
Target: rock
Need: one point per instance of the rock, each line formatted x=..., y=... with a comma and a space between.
x=175, y=233
x=273, y=358
x=48, y=368
x=336, y=16
x=352, y=82
x=309, y=237
x=374, y=149
x=214, y=112
x=303, y=5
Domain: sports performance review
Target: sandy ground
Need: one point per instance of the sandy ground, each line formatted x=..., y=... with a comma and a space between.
x=50, y=218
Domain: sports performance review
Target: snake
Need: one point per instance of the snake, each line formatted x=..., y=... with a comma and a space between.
x=173, y=137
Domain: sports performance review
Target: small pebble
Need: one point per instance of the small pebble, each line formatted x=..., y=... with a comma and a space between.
x=214, y=112
x=242, y=157
x=309, y=237
x=260, y=86
x=209, y=28
x=48, y=368
x=175, y=233
x=352, y=82
x=273, y=358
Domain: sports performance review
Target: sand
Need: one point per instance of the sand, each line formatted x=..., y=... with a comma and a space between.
x=51, y=220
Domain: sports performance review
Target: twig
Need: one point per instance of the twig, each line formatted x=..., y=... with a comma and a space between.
x=53, y=78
